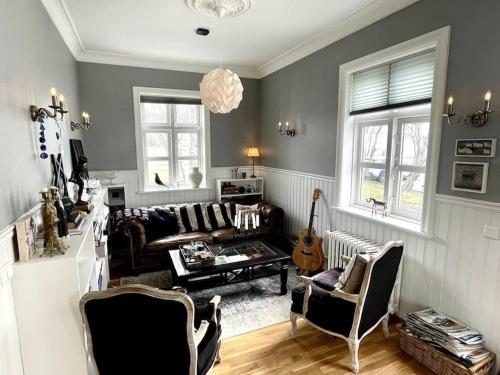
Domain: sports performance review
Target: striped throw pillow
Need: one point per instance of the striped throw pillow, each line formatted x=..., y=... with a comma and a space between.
x=191, y=218
x=219, y=216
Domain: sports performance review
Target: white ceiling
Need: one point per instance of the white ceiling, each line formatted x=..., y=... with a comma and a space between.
x=160, y=33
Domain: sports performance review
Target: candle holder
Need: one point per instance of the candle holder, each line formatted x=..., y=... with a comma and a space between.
x=286, y=130
x=246, y=223
x=476, y=119
x=57, y=108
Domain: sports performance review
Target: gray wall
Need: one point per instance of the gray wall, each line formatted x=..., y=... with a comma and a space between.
x=305, y=93
x=106, y=92
x=34, y=58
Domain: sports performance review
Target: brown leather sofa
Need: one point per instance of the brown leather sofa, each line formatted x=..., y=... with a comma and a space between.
x=148, y=255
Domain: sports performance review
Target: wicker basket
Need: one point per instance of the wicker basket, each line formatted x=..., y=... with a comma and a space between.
x=439, y=362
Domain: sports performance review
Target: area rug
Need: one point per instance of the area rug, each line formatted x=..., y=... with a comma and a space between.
x=248, y=306
x=245, y=306
x=160, y=279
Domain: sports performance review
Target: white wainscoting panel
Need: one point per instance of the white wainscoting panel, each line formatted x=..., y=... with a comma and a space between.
x=10, y=351
x=457, y=271
x=134, y=198
x=293, y=192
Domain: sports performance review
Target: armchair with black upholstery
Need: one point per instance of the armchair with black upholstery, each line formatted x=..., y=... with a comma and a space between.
x=349, y=316
x=137, y=329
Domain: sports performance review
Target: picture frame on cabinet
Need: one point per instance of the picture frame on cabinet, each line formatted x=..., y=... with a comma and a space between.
x=470, y=177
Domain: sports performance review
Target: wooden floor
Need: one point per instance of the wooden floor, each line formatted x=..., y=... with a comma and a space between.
x=271, y=350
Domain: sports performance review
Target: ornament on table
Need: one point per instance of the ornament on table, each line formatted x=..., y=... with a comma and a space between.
x=77, y=177
x=53, y=245
x=62, y=224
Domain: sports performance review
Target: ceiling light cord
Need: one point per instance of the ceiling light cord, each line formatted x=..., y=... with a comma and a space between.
x=220, y=42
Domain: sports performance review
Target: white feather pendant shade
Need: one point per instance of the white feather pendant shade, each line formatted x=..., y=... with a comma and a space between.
x=221, y=90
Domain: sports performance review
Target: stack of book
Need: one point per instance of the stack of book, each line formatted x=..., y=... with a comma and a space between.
x=446, y=334
x=229, y=189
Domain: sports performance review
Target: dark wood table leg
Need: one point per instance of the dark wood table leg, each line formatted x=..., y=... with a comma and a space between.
x=284, y=276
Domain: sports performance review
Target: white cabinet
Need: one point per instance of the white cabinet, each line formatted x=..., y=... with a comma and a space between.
x=47, y=292
x=227, y=188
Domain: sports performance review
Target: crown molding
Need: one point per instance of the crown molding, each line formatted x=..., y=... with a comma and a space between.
x=375, y=11
x=100, y=57
x=59, y=13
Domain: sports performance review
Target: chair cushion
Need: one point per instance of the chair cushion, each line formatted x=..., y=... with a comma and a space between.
x=330, y=313
x=171, y=242
x=327, y=279
x=351, y=279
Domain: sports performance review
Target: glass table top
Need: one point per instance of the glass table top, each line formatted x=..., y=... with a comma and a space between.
x=240, y=252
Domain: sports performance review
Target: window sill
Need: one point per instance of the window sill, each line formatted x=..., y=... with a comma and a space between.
x=173, y=190
x=391, y=221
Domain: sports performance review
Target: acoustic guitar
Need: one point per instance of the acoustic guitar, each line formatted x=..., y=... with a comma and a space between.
x=308, y=254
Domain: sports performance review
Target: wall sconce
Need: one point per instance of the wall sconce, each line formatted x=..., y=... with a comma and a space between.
x=85, y=122
x=286, y=130
x=57, y=108
x=477, y=119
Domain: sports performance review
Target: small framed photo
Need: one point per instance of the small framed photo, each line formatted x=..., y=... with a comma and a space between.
x=484, y=147
x=469, y=176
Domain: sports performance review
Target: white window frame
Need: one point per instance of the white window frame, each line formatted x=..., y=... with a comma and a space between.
x=392, y=167
x=438, y=40
x=204, y=134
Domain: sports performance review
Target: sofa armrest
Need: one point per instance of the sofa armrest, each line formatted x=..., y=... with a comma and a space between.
x=136, y=233
x=274, y=218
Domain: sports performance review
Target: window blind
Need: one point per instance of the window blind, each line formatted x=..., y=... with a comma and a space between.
x=169, y=100
x=400, y=83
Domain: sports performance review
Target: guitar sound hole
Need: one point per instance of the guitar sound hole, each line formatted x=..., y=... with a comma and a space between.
x=308, y=240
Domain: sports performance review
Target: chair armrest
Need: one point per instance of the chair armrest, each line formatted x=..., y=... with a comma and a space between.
x=215, y=301
x=201, y=332
x=345, y=259
x=308, y=281
x=345, y=296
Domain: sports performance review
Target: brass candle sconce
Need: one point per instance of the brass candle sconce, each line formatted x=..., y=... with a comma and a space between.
x=57, y=108
x=476, y=119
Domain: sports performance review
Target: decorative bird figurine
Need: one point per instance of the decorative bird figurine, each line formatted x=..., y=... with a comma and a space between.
x=159, y=181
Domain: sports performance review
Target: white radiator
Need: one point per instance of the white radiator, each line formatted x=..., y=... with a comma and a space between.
x=347, y=244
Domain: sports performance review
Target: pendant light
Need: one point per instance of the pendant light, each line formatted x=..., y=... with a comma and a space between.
x=221, y=90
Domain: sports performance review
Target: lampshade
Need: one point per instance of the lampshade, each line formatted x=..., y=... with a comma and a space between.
x=221, y=90
x=253, y=152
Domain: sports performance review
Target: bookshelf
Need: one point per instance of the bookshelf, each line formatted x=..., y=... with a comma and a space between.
x=226, y=188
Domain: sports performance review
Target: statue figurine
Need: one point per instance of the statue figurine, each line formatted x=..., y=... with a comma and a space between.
x=52, y=243
x=62, y=224
x=77, y=176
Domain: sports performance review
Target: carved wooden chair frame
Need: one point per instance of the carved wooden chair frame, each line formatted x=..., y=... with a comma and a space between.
x=359, y=299
x=194, y=337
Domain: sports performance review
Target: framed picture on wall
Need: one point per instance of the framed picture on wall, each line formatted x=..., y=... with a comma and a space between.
x=484, y=147
x=469, y=176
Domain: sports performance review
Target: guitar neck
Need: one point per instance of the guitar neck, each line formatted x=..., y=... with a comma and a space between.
x=311, y=218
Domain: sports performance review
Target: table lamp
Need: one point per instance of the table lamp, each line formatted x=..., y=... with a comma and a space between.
x=253, y=152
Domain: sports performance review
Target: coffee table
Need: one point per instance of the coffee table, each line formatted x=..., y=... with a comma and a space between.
x=235, y=262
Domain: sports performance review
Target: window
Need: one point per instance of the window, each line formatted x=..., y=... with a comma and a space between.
x=388, y=131
x=392, y=132
x=391, y=158
x=171, y=135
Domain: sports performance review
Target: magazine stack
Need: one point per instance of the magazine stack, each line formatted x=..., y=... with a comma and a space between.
x=448, y=335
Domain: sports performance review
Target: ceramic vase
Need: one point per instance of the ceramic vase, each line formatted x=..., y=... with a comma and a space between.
x=196, y=177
